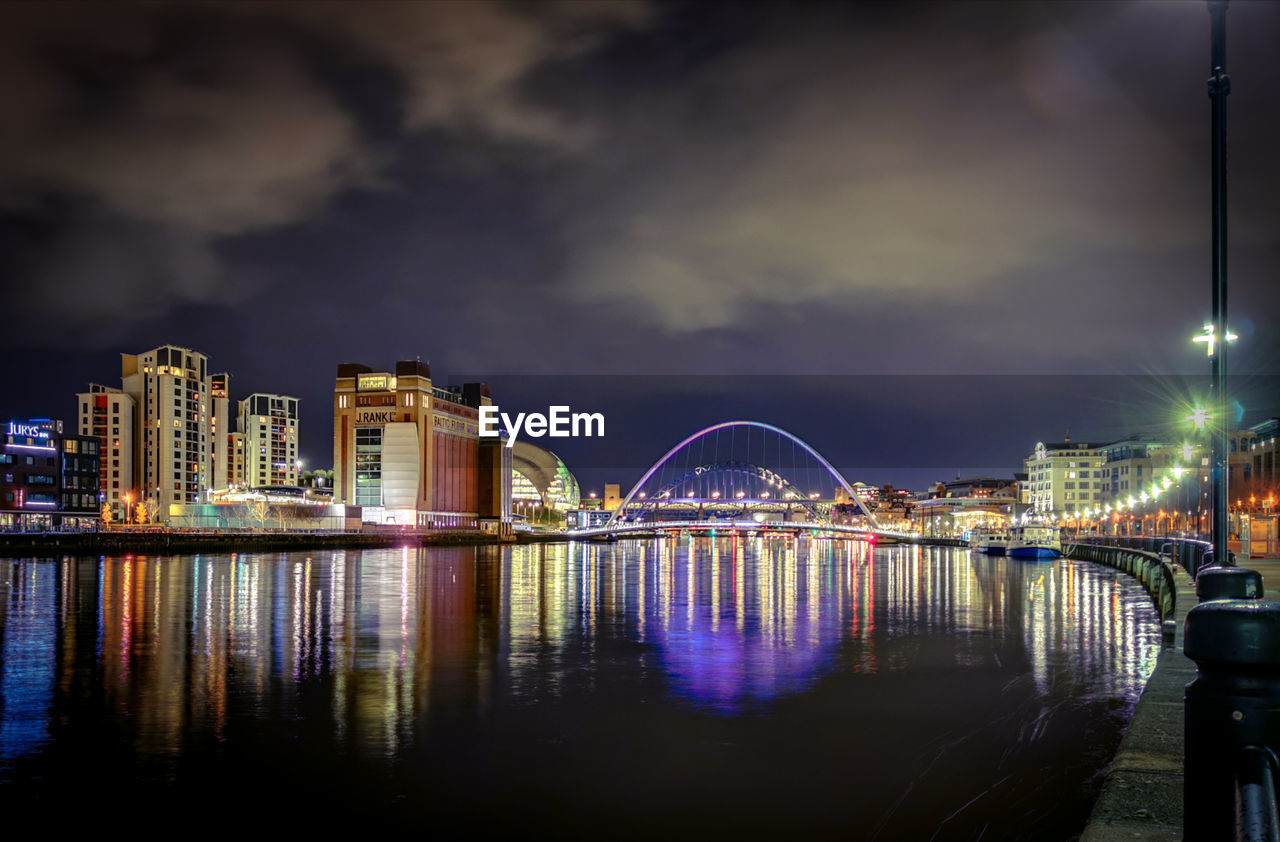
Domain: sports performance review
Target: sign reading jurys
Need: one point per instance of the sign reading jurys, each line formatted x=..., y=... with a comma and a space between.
x=27, y=431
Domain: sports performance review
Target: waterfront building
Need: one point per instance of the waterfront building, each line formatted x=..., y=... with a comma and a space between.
x=951, y=517
x=541, y=478
x=268, y=426
x=981, y=487
x=108, y=414
x=166, y=434
x=1064, y=477
x=407, y=452
x=1130, y=465
x=612, y=496
x=48, y=479
x=170, y=386
x=494, y=493
x=1262, y=453
x=219, y=431
x=235, y=460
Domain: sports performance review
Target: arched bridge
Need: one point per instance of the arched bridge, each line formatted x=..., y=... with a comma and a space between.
x=741, y=475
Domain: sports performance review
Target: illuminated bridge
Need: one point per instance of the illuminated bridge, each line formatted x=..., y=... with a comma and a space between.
x=743, y=475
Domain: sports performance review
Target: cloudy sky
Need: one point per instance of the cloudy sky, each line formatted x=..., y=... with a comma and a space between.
x=636, y=188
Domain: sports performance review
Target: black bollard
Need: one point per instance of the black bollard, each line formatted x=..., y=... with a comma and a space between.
x=1228, y=583
x=1233, y=704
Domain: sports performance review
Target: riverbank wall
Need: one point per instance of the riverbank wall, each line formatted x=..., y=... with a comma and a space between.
x=159, y=542
x=1141, y=796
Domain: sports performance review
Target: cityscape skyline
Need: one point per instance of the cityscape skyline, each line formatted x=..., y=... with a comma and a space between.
x=513, y=220
x=1098, y=407
x=676, y=416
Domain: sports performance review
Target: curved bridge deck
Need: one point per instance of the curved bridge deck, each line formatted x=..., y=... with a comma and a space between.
x=794, y=527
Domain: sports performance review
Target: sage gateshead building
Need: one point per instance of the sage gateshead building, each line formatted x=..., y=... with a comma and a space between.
x=408, y=453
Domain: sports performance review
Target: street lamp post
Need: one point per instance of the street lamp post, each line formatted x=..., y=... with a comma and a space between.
x=1219, y=87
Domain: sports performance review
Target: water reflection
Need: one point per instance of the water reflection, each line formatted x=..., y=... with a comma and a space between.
x=413, y=658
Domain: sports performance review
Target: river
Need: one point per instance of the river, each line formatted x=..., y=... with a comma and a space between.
x=688, y=687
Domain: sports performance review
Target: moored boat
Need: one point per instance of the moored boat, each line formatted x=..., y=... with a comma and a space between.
x=1034, y=541
x=988, y=539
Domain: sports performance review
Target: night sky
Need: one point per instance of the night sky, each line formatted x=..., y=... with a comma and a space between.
x=895, y=198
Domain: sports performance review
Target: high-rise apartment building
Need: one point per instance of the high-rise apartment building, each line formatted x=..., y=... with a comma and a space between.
x=235, y=460
x=171, y=459
x=108, y=414
x=219, y=431
x=269, y=427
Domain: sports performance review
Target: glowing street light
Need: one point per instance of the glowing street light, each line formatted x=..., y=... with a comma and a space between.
x=1209, y=340
x=1199, y=416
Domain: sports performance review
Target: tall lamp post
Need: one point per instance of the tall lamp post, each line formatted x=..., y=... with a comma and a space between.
x=1219, y=87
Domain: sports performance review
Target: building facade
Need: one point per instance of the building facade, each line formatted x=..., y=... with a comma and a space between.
x=1064, y=477
x=108, y=414
x=1262, y=454
x=171, y=460
x=268, y=426
x=219, y=431
x=235, y=460
x=405, y=451
x=48, y=479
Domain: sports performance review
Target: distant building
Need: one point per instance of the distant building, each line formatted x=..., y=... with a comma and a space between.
x=48, y=479
x=612, y=496
x=1064, y=477
x=981, y=487
x=108, y=414
x=408, y=452
x=269, y=427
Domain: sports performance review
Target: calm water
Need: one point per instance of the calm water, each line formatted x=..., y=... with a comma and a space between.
x=678, y=688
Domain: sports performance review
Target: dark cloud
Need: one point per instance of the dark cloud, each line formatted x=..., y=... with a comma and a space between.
x=180, y=126
x=513, y=188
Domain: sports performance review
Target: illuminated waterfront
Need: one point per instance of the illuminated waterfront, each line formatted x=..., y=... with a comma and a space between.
x=729, y=685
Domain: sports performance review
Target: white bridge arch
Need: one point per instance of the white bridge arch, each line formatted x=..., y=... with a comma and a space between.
x=724, y=425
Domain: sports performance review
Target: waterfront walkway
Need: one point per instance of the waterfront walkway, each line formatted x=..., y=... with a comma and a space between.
x=1141, y=798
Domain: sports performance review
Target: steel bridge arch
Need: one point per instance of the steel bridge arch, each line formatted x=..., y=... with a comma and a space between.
x=748, y=468
x=853, y=495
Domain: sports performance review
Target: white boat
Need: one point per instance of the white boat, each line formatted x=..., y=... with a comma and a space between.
x=988, y=539
x=1034, y=541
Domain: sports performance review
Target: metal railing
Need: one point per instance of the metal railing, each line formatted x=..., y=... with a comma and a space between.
x=1149, y=569
x=1189, y=553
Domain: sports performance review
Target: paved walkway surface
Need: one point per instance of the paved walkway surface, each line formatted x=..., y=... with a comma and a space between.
x=1142, y=795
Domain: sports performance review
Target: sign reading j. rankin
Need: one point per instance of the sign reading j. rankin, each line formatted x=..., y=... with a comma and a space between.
x=375, y=416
